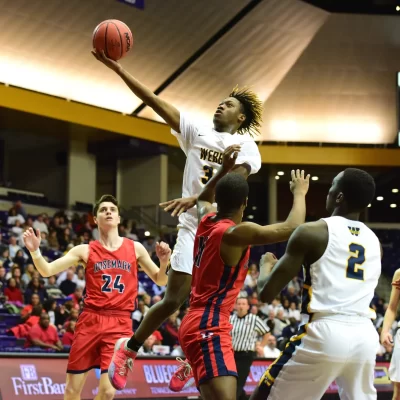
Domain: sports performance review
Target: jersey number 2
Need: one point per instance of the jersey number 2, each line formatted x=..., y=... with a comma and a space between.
x=118, y=285
x=356, y=259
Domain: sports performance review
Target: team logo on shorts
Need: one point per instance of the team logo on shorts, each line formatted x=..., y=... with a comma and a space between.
x=206, y=334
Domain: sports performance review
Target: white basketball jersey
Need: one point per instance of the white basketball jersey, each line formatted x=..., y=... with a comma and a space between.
x=204, y=148
x=344, y=279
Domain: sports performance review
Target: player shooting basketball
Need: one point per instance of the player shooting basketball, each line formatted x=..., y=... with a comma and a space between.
x=236, y=120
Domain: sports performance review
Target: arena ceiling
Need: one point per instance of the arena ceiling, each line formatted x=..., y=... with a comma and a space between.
x=324, y=75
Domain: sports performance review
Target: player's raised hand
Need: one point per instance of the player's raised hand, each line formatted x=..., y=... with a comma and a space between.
x=386, y=338
x=101, y=56
x=163, y=252
x=178, y=206
x=267, y=262
x=229, y=157
x=32, y=241
x=299, y=183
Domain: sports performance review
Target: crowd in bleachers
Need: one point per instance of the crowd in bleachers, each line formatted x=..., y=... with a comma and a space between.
x=39, y=314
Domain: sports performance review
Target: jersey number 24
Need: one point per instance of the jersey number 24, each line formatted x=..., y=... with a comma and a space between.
x=109, y=285
x=356, y=259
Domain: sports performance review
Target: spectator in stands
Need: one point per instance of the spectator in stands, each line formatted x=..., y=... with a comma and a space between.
x=147, y=347
x=62, y=313
x=6, y=259
x=3, y=280
x=13, y=216
x=35, y=286
x=139, y=314
x=291, y=296
x=65, y=239
x=77, y=297
x=22, y=330
x=122, y=231
x=28, y=274
x=19, y=260
x=52, y=288
x=16, y=274
x=81, y=282
x=275, y=306
x=17, y=228
x=288, y=331
x=53, y=241
x=95, y=233
x=12, y=292
x=50, y=307
x=270, y=350
x=63, y=276
x=252, y=276
x=44, y=244
x=68, y=286
x=13, y=247
x=3, y=246
x=294, y=283
x=150, y=245
x=40, y=224
x=294, y=312
x=259, y=350
x=68, y=336
x=156, y=299
x=44, y=335
x=254, y=299
x=19, y=209
x=279, y=323
x=170, y=330
x=27, y=310
x=73, y=316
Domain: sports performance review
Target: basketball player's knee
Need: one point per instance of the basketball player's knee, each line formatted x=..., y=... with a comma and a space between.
x=107, y=393
x=72, y=392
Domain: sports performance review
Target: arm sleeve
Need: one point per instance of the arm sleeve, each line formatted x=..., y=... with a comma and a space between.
x=261, y=327
x=188, y=131
x=250, y=155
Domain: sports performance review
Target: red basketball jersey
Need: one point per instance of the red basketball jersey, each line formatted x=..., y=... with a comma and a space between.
x=215, y=286
x=111, y=277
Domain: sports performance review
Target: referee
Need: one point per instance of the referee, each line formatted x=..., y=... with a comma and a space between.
x=246, y=329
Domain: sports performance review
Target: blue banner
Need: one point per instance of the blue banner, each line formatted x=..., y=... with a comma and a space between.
x=134, y=3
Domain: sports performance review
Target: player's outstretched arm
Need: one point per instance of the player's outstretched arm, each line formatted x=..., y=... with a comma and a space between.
x=157, y=275
x=164, y=109
x=206, y=197
x=248, y=233
x=391, y=312
x=274, y=276
x=46, y=269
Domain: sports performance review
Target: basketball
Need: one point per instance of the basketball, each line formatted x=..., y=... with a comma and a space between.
x=113, y=37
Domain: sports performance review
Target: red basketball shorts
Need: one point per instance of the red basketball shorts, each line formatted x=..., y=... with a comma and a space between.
x=210, y=351
x=95, y=335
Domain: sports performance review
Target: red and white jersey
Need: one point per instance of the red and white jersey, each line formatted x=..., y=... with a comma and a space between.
x=204, y=148
x=111, y=277
x=215, y=285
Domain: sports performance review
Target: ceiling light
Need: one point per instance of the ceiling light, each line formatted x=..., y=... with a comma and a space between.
x=397, y=8
x=395, y=190
x=280, y=173
x=147, y=233
x=276, y=177
x=393, y=205
x=379, y=198
x=254, y=208
x=314, y=178
x=369, y=205
x=250, y=217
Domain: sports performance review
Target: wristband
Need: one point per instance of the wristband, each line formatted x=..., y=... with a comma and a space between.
x=36, y=254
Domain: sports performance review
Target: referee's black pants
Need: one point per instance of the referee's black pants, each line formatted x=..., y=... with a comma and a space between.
x=243, y=360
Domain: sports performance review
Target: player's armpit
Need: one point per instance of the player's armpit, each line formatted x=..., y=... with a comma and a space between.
x=242, y=169
x=249, y=233
x=75, y=255
x=270, y=285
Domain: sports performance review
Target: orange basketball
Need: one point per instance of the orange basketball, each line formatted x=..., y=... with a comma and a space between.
x=113, y=37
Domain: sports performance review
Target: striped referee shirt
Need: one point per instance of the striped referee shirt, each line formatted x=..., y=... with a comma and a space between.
x=246, y=330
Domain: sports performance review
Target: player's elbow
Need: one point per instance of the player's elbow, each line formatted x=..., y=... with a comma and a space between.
x=161, y=280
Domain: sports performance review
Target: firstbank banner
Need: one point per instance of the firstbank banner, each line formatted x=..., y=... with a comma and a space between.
x=27, y=378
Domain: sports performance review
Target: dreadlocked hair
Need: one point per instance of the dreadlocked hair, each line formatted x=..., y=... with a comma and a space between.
x=252, y=109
